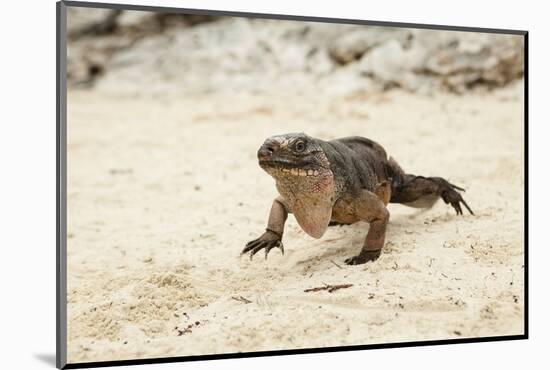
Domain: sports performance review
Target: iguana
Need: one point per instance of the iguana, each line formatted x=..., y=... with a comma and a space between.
x=337, y=182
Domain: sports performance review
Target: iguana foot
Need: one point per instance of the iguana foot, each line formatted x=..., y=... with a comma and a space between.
x=267, y=241
x=451, y=196
x=363, y=257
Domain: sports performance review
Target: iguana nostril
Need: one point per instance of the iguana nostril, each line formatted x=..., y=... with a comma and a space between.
x=267, y=150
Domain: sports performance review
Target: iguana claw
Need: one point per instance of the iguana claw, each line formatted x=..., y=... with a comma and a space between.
x=453, y=197
x=267, y=241
x=279, y=245
x=363, y=257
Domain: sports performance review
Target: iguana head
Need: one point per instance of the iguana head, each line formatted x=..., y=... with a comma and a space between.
x=292, y=155
x=303, y=177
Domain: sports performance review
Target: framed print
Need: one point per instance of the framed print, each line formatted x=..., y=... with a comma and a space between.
x=235, y=184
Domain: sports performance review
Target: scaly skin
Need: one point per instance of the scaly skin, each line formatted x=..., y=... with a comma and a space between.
x=337, y=182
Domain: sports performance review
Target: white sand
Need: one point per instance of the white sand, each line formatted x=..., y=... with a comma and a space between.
x=164, y=194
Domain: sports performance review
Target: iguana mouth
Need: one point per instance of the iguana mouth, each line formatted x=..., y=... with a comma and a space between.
x=299, y=171
x=287, y=167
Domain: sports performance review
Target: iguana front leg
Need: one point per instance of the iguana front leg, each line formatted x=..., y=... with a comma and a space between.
x=272, y=238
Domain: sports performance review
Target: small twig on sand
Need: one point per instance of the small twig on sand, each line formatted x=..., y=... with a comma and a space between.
x=184, y=331
x=337, y=265
x=242, y=299
x=330, y=288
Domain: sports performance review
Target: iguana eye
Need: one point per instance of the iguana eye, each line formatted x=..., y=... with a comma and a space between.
x=300, y=146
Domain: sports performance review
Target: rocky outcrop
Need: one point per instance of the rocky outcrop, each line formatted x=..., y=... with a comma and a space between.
x=143, y=52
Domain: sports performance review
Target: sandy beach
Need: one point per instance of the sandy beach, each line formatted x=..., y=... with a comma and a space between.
x=163, y=194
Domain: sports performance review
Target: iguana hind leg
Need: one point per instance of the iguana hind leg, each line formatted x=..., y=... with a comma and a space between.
x=423, y=192
x=372, y=209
